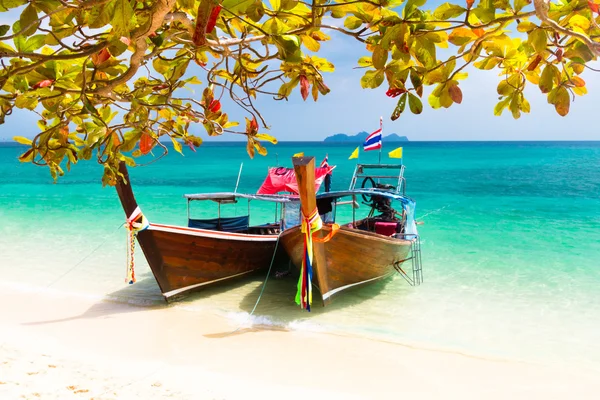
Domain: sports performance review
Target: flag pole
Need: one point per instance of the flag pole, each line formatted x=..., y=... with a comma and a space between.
x=380, y=127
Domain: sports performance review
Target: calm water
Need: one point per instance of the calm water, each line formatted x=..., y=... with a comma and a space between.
x=511, y=244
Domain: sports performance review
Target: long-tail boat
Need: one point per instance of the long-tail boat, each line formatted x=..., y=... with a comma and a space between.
x=358, y=252
x=207, y=250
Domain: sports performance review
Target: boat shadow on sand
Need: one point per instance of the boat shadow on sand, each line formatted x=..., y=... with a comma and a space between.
x=275, y=310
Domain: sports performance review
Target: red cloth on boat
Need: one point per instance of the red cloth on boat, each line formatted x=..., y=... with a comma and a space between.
x=386, y=228
x=282, y=179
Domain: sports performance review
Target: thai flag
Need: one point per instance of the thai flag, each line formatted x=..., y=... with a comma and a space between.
x=325, y=162
x=373, y=141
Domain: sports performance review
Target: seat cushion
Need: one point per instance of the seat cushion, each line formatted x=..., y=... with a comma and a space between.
x=386, y=228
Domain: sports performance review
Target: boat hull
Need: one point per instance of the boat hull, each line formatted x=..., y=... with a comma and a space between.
x=351, y=257
x=188, y=259
x=184, y=259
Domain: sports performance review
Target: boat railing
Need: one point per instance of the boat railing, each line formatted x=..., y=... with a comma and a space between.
x=379, y=173
x=415, y=276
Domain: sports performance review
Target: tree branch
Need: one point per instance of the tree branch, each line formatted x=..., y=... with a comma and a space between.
x=541, y=11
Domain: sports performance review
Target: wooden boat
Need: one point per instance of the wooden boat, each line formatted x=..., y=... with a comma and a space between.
x=207, y=251
x=364, y=250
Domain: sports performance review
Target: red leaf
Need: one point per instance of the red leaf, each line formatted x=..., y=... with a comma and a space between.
x=470, y=4
x=394, y=92
x=191, y=146
x=215, y=106
x=559, y=55
x=304, y=86
x=479, y=32
x=594, y=7
x=146, y=143
x=212, y=20
x=43, y=84
x=254, y=125
x=536, y=61
x=455, y=94
x=160, y=87
x=101, y=56
x=577, y=81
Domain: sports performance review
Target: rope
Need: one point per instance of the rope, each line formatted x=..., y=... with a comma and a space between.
x=435, y=211
x=83, y=259
x=262, y=289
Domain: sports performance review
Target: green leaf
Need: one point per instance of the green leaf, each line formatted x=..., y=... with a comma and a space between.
x=504, y=88
x=34, y=42
x=177, y=146
x=460, y=36
x=6, y=5
x=100, y=16
x=547, y=78
x=352, y=22
x=372, y=79
x=399, y=107
x=237, y=7
x=4, y=29
x=22, y=140
x=123, y=18
x=526, y=26
x=561, y=100
x=579, y=52
x=392, y=34
x=415, y=79
x=89, y=107
x=519, y=4
x=29, y=16
x=411, y=5
x=380, y=57
x=447, y=11
x=365, y=62
x=501, y=106
x=275, y=26
x=415, y=104
x=289, y=48
x=130, y=140
x=485, y=11
x=23, y=101
x=538, y=40
x=425, y=52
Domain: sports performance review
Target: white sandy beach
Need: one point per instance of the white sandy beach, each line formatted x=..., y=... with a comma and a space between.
x=67, y=347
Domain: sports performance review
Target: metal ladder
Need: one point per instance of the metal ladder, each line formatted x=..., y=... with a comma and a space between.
x=416, y=263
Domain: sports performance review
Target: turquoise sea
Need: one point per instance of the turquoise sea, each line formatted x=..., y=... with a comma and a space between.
x=511, y=244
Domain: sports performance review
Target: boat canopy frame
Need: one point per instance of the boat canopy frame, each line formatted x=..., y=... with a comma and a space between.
x=232, y=198
x=360, y=172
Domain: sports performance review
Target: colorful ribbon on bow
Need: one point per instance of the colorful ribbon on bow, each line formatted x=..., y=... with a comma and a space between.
x=310, y=225
x=136, y=222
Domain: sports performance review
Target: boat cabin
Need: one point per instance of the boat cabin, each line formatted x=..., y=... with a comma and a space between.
x=239, y=223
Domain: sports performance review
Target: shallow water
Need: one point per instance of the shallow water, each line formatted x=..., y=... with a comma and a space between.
x=511, y=244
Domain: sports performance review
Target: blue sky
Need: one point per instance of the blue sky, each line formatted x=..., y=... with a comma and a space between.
x=350, y=109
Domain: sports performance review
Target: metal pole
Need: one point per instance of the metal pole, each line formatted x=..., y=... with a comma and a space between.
x=381, y=127
x=238, y=178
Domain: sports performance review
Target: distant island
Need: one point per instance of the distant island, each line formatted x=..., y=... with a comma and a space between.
x=360, y=137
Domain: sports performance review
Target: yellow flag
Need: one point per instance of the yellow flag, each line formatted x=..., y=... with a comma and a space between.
x=354, y=154
x=396, y=153
x=298, y=155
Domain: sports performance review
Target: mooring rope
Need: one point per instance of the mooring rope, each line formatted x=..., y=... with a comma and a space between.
x=261, y=290
x=83, y=259
x=435, y=211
